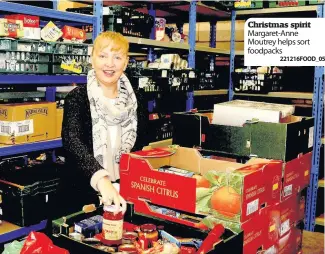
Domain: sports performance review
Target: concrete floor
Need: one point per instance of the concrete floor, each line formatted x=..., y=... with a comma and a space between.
x=313, y=243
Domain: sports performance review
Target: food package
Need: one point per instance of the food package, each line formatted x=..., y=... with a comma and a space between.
x=28, y=21
x=160, y=24
x=238, y=112
x=30, y=25
x=51, y=32
x=11, y=28
x=73, y=34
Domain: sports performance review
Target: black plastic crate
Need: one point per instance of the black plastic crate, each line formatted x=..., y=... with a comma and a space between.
x=207, y=80
x=28, y=193
x=123, y=20
x=160, y=129
x=257, y=83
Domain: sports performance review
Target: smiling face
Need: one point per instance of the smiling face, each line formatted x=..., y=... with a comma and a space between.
x=109, y=58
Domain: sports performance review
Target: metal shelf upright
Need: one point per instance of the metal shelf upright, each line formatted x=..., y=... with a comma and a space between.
x=318, y=102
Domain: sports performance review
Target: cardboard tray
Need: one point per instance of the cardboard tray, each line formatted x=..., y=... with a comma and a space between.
x=280, y=141
x=231, y=243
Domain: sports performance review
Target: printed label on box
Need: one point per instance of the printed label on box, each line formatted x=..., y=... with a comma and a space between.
x=287, y=190
x=285, y=227
x=25, y=127
x=6, y=128
x=311, y=137
x=17, y=129
x=252, y=207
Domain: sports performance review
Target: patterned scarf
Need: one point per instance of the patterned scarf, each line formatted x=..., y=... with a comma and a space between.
x=123, y=114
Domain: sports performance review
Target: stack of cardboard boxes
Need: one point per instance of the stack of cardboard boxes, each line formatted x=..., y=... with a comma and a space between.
x=263, y=197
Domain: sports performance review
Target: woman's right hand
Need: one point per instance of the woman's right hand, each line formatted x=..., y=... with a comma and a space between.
x=110, y=195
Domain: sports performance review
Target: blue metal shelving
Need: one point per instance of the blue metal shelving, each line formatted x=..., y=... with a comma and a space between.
x=41, y=79
x=44, y=12
x=49, y=80
x=318, y=109
x=6, y=151
x=24, y=231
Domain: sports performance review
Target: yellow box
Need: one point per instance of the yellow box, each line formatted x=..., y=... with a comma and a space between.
x=59, y=119
x=27, y=122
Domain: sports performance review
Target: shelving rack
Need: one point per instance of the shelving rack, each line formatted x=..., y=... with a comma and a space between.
x=48, y=80
x=317, y=96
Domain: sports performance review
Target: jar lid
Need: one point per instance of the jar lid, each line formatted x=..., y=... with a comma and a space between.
x=127, y=247
x=146, y=228
x=111, y=208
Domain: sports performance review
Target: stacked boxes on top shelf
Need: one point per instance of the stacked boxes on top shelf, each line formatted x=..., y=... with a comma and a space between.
x=245, y=129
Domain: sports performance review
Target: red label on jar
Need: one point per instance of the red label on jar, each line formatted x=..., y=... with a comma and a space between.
x=112, y=229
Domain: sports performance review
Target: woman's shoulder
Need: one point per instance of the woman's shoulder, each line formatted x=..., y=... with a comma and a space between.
x=79, y=93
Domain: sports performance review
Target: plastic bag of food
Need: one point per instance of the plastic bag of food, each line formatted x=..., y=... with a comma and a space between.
x=39, y=243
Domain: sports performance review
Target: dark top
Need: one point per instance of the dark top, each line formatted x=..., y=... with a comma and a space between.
x=77, y=137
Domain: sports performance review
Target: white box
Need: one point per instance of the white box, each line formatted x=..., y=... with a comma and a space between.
x=32, y=33
x=238, y=112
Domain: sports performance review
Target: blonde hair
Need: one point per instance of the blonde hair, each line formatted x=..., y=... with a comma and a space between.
x=108, y=38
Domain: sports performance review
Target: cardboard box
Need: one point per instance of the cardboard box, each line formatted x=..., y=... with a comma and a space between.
x=238, y=112
x=291, y=242
x=229, y=243
x=59, y=119
x=296, y=174
x=253, y=230
x=11, y=28
x=271, y=226
x=27, y=122
x=281, y=141
x=228, y=190
x=28, y=20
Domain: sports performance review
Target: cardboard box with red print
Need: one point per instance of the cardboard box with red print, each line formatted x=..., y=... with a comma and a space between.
x=296, y=174
x=182, y=179
x=291, y=212
x=252, y=228
x=291, y=242
x=31, y=25
x=271, y=227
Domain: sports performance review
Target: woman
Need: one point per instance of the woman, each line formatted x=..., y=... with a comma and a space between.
x=100, y=121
